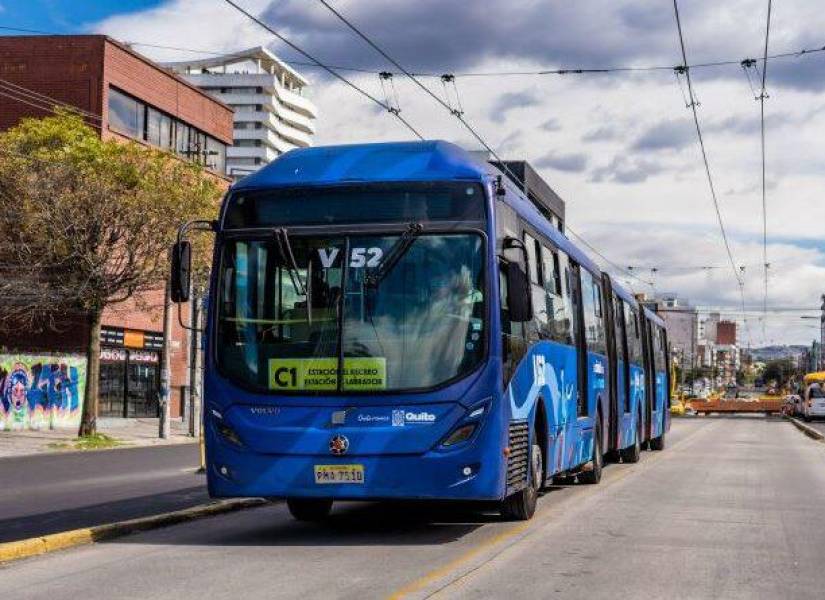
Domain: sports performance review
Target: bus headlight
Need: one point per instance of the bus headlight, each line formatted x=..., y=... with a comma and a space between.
x=468, y=425
x=462, y=434
x=228, y=434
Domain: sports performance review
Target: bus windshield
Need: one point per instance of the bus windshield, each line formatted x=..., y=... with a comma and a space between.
x=419, y=325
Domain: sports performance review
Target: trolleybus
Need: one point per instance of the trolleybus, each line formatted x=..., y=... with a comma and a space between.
x=400, y=321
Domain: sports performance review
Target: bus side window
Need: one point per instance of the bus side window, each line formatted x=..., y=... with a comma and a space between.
x=622, y=347
x=633, y=338
x=513, y=344
x=593, y=321
x=534, y=269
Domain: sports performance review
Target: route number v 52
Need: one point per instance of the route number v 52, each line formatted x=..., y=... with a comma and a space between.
x=358, y=257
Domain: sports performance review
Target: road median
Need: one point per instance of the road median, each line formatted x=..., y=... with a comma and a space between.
x=25, y=548
x=809, y=431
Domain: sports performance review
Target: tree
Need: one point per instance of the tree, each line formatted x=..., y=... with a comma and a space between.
x=778, y=371
x=86, y=223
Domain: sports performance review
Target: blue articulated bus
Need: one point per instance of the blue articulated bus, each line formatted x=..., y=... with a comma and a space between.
x=398, y=321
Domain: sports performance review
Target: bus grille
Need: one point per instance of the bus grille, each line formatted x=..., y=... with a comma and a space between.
x=518, y=460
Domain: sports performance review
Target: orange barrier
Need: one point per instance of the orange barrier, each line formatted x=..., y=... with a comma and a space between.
x=762, y=405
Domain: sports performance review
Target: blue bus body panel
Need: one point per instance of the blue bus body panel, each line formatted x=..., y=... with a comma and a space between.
x=382, y=162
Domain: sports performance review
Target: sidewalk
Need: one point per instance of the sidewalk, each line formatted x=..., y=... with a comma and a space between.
x=129, y=432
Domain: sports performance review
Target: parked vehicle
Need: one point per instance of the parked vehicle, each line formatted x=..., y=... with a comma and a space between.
x=814, y=405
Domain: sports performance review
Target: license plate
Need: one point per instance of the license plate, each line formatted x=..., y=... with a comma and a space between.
x=339, y=474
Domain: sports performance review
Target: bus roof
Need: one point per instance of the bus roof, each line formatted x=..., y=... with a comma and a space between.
x=622, y=293
x=653, y=317
x=528, y=211
x=381, y=162
x=398, y=161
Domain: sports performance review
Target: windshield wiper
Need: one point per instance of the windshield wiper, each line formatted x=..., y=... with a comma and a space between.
x=395, y=254
x=288, y=257
x=285, y=250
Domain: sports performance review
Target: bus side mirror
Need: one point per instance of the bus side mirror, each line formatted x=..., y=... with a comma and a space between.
x=180, y=277
x=519, y=301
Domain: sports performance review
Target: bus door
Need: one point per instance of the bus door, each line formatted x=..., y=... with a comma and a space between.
x=650, y=375
x=581, y=346
x=668, y=380
x=575, y=442
x=609, y=302
x=624, y=421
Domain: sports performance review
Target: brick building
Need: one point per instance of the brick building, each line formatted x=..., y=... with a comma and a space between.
x=726, y=332
x=127, y=97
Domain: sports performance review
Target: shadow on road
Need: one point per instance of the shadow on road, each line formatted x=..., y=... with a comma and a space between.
x=31, y=525
x=350, y=524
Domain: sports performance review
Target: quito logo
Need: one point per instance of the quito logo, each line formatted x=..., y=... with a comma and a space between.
x=338, y=445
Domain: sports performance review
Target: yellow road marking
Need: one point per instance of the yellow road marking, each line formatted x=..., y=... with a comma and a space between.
x=432, y=577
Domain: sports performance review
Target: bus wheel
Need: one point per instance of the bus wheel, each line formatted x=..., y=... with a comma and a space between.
x=634, y=452
x=522, y=505
x=309, y=509
x=658, y=443
x=594, y=475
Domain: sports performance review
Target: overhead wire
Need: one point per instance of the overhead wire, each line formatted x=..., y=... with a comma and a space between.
x=38, y=105
x=692, y=105
x=35, y=96
x=328, y=69
x=762, y=97
x=456, y=112
x=502, y=73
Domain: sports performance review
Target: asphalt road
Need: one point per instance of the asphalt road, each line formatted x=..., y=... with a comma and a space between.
x=47, y=493
x=732, y=509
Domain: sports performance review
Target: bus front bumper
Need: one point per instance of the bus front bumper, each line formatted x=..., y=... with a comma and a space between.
x=465, y=474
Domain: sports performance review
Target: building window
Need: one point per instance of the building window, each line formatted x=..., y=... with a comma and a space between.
x=216, y=155
x=159, y=129
x=126, y=115
x=132, y=117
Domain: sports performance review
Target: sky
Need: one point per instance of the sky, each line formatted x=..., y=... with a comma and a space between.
x=620, y=148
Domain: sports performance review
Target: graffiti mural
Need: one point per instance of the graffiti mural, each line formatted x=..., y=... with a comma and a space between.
x=41, y=391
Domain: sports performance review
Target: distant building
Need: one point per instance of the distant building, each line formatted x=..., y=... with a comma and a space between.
x=272, y=114
x=682, y=321
x=547, y=201
x=726, y=332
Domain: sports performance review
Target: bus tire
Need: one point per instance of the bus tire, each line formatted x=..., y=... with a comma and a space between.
x=522, y=505
x=594, y=475
x=309, y=509
x=633, y=453
x=657, y=444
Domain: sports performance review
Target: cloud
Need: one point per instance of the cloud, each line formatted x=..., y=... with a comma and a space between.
x=667, y=135
x=551, y=124
x=511, y=101
x=601, y=134
x=625, y=169
x=572, y=163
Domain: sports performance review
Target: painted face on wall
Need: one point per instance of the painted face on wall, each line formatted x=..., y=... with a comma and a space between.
x=16, y=387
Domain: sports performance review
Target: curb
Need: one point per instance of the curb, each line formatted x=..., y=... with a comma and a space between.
x=809, y=431
x=10, y=551
x=121, y=446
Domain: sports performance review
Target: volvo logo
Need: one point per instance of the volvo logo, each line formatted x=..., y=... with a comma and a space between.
x=338, y=445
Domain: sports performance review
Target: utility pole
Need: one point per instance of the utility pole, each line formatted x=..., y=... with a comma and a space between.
x=195, y=368
x=819, y=364
x=165, y=372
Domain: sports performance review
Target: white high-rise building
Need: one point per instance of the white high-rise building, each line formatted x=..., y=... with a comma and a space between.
x=272, y=114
